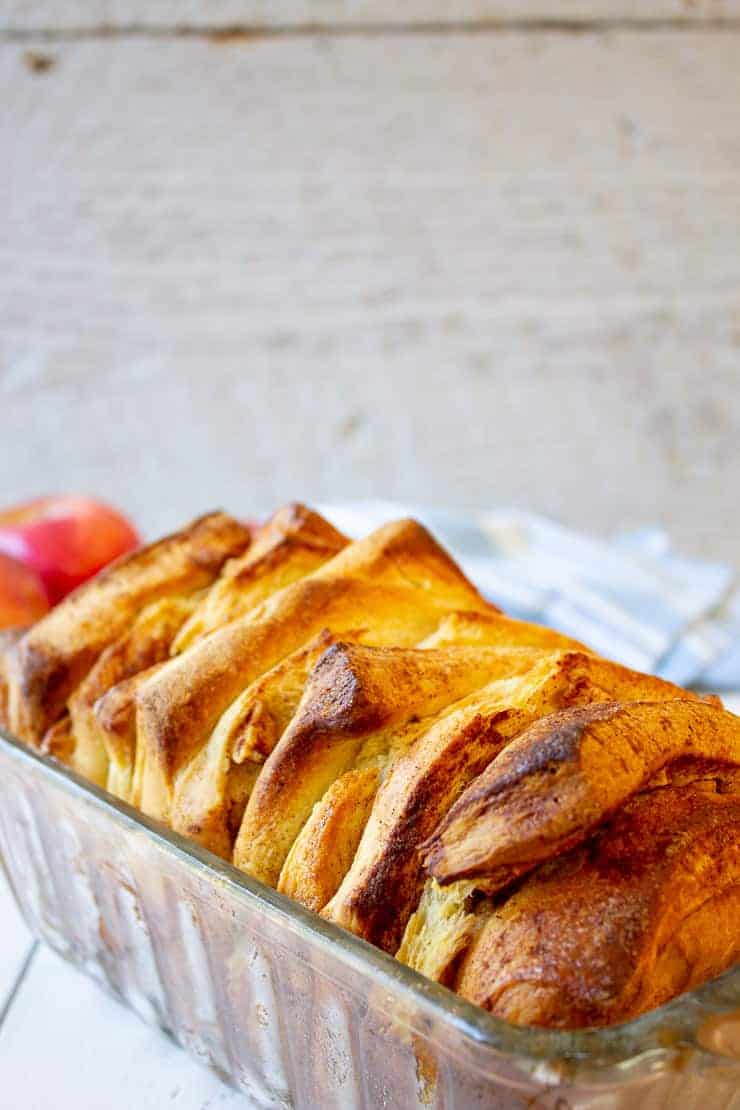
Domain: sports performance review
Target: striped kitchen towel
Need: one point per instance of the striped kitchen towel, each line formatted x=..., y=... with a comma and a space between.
x=633, y=598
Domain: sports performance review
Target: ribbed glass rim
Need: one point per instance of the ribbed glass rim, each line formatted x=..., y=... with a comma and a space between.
x=673, y=1027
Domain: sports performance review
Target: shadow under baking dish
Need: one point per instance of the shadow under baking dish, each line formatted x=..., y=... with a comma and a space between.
x=294, y=1010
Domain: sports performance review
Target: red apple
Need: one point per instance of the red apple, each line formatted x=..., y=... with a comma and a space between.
x=22, y=595
x=65, y=540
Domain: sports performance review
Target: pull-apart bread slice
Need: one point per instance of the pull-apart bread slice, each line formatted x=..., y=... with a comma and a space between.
x=395, y=585
x=58, y=651
x=146, y=643
x=645, y=910
x=292, y=543
x=383, y=886
x=211, y=791
x=565, y=775
x=115, y=722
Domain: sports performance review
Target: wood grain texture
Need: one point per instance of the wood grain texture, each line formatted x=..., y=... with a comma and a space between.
x=472, y=269
x=97, y=1053
x=79, y=14
x=15, y=944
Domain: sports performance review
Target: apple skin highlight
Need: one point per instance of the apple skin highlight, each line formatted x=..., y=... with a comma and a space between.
x=65, y=540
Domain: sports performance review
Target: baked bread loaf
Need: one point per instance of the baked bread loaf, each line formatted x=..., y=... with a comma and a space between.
x=146, y=643
x=553, y=835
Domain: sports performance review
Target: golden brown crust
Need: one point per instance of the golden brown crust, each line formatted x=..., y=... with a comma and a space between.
x=59, y=650
x=353, y=693
x=448, y=918
x=256, y=720
x=292, y=540
x=385, y=881
x=563, y=776
x=211, y=798
x=494, y=629
x=397, y=583
x=324, y=849
x=404, y=554
x=115, y=722
x=293, y=543
x=382, y=887
x=210, y=792
x=646, y=909
x=147, y=642
x=59, y=740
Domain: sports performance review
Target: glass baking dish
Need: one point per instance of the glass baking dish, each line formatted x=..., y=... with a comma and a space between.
x=297, y=1012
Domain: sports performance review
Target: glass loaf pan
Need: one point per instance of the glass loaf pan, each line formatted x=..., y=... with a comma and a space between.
x=295, y=1011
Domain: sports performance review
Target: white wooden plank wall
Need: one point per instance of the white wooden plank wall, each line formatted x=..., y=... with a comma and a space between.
x=474, y=267
x=65, y=14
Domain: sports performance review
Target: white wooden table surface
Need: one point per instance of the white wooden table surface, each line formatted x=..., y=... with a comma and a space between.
x=65, y=1044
